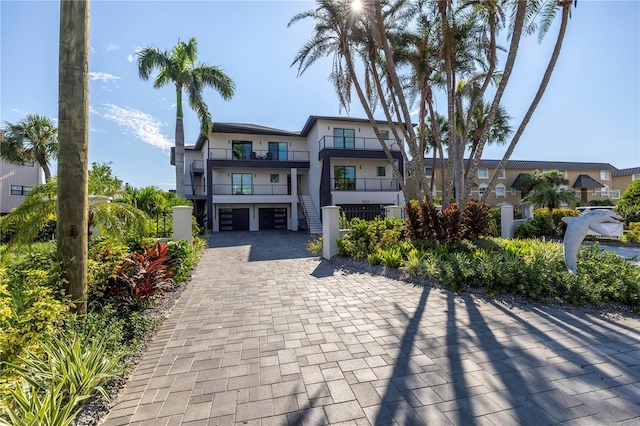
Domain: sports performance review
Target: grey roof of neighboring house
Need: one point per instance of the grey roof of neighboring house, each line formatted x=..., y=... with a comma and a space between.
x=535, y=165
x=246, y=128
x=586, y=181
x=626, y=172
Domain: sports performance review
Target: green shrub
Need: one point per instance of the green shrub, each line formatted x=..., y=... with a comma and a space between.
x=632, y=235
x=375, y=259
x=180, y=259
x=414, y=265
x=391, y=257
x=104, y=258
x=366, y=237
x=533, y=228
x=314, y=246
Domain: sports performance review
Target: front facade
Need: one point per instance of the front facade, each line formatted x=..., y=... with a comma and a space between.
x=621, y=180
x=15, y=182
x=590, y=181
x=248, y=177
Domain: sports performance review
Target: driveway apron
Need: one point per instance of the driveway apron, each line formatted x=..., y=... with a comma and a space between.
x=266, y=334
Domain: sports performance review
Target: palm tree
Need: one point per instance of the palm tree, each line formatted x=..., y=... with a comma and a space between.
x=548, y=10
x=31, y=139
x=551, y=197
x=73, y=130
x=179, y=67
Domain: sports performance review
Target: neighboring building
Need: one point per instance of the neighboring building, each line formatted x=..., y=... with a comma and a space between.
x=15, y=182
x=591, y=181
x=249, y=177
x=621, y=180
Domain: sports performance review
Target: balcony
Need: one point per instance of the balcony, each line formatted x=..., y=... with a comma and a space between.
x=197, y=167
x=195, y=191
x=364, y=184
x=266, y=189
x=354, y=144
x=259, y=155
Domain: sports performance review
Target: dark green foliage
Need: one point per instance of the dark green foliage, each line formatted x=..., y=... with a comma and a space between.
x=631, y=196
x=426, y=222
x=181, y=259
x=605, y=202
x=533, y=228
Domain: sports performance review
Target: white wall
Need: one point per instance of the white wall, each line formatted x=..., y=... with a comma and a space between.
x=16, y=175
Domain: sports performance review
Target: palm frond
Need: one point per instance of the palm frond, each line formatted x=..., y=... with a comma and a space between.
x=214, y=77
x=150, y=58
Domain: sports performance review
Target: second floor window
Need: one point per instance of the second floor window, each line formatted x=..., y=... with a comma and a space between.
x=381, y=171
x=345, y=178
x=241, y=183
x=242, y=150
x=483, y=174
x=604, y=175
x=344, y=138
x=428, y=171
x=19, y=190
x=384, y=134
x=277, y=151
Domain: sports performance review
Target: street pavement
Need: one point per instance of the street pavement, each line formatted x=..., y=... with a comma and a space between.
x=266, y=334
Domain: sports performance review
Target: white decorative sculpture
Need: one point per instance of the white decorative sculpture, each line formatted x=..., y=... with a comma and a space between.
x=579, y=227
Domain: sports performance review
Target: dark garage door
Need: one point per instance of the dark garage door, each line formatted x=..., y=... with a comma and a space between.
x=273, y=218
x=234, y=219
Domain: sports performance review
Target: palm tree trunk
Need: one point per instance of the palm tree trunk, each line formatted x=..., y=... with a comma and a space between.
x=45, y=167
x=536, y=100
x=179, y=157
x=521, y=10
x=73, y=130
x=550, y=220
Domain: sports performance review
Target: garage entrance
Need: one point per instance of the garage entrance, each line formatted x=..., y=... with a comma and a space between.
x=234, y=219
x=273, y=218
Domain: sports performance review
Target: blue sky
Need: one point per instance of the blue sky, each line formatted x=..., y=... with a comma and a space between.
x=590, y=112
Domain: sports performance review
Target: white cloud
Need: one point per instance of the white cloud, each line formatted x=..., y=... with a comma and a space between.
x=112, y=46
x=94, y=130
x=91, y=49
x=143, y=126
x=130, y=58
x=412, y=113
x=92, y=110
x=18, y=111
x=102, y=76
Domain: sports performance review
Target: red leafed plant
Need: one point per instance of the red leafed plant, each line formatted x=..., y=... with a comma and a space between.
x=143, y=275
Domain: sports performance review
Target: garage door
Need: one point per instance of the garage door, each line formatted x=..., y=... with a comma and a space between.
x=234, y=219
x=273, y=218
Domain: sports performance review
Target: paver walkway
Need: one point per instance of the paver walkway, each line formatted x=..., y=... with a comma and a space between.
x=267, y=335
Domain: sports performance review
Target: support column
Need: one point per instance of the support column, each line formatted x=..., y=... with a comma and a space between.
x=182, y=223
x=506, y=217
x=294, y=202
x=330, y=231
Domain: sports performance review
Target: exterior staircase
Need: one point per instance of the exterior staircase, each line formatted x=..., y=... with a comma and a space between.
x=310, y=212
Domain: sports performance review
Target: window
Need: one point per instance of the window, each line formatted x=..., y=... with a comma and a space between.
x=604, y=175
x=502, y=175
x=277, y=151
x=635, y=177
x=501, y=190
x=481, y=189
x=428, y=171
x=594, y=191
x=381, y=171
x=28, y=164
x=344, y=177
x=604, y=191
x=19, y=190
x=241, y=150
x=513, y=191
x=275, y=178
x=615, y=194
x=384, y=134
x=344, y=138
x=241, y=183
x=483, y=174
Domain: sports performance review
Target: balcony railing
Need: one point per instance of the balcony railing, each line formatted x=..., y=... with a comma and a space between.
x=364, y=184
x=194, y=190
x=230, y=189
x=348, y=143
x=258, y=155
x=197, y=166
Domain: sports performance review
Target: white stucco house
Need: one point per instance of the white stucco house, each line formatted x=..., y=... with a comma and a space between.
x=250, y=177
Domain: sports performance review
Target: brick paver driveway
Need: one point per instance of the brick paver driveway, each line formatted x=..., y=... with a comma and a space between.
x=266, y=335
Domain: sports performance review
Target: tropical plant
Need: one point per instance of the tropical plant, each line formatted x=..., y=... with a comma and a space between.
x=115, y=218
x=73, y=132
x=547, y=193
x=142, y=275
x=32, y=139
x=630, y=199
x=180, y=68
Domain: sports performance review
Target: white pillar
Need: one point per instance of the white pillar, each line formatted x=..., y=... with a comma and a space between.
x=294, y=202
x=182, y=223
x=506, y=216
x=330, y=231
x=394, y=211
x=527, y=210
